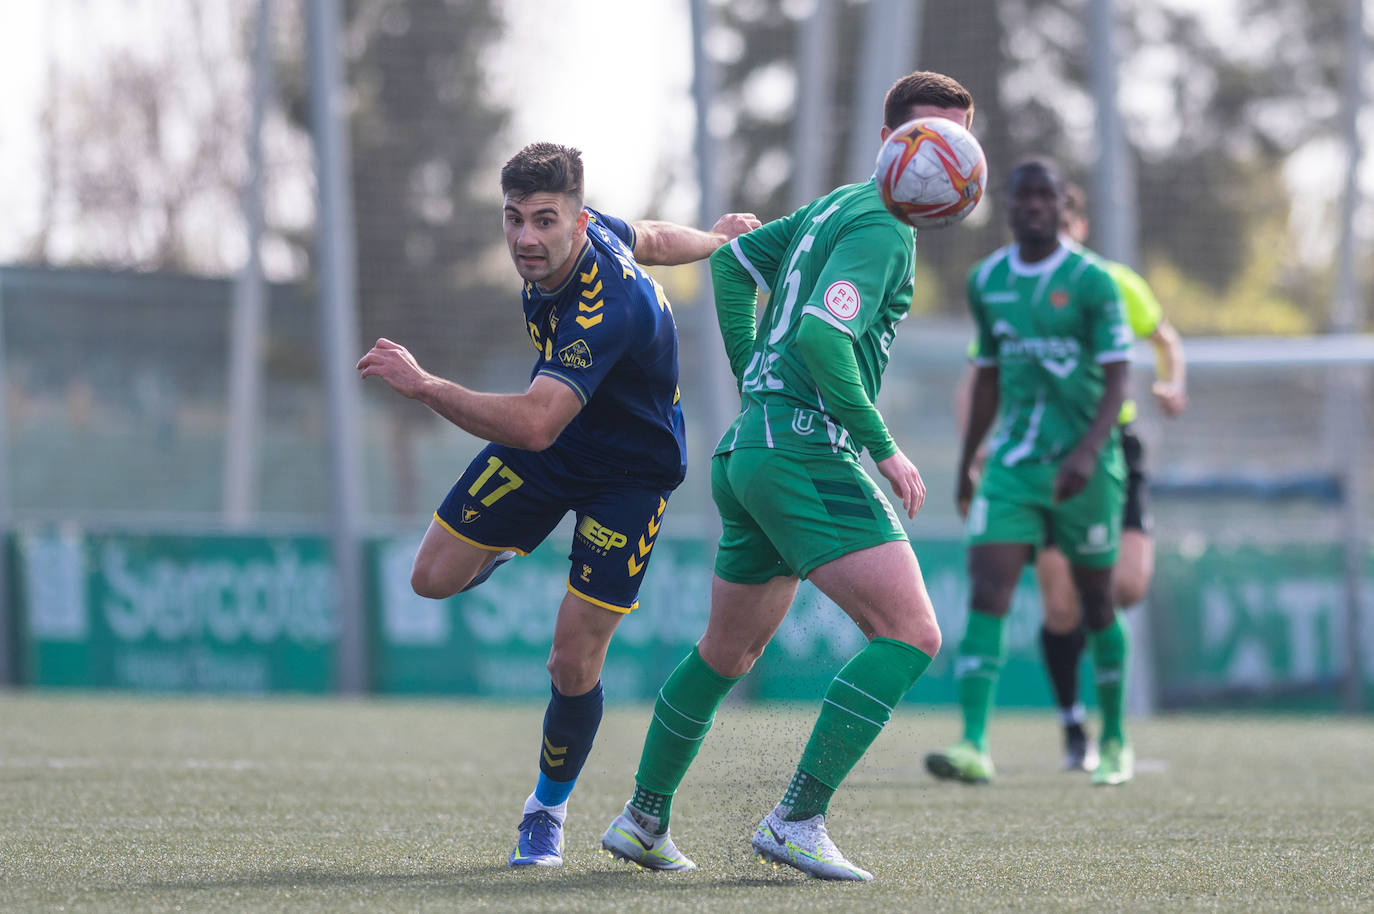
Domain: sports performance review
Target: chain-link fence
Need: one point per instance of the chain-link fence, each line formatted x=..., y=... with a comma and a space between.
x=116, y=329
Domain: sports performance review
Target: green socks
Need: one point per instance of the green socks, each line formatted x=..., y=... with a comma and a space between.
x=684, y=711
x=857, y=704
x=1110, y=647
x=981, y=655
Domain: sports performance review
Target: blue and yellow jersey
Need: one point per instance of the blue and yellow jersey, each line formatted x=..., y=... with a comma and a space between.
x=608, y=333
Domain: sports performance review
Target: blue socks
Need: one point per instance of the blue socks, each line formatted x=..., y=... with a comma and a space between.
x=570, y=725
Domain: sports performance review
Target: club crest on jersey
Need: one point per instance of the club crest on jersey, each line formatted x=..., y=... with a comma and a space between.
x=576, y=355
x=1059, y=298
x=470, y=514
x=842, y=299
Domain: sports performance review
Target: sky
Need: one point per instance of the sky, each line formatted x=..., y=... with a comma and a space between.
x=22, y=42
x=554, y=63
x=75, y=34
x=545, y=64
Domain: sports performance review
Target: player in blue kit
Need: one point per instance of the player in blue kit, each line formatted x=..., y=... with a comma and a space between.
x=598, y=432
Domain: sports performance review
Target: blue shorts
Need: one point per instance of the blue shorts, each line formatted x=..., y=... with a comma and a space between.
x=512, y=499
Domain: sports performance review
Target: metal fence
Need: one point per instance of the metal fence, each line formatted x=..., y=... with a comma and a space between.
x=118, y=381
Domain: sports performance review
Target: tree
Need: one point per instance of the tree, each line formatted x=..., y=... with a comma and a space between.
x=1212, y=118
x=142, y=152
x=426, y=207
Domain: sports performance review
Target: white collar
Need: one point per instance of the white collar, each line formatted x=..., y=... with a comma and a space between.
x=1040, y=267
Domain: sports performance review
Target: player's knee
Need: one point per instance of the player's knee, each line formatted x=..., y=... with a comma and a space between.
x=916, y=626
x=729, y=659
x=1129, y=589
x=928, y=639
x=992, y=597
x=427, y=584
x=1061, y=616
x=571, y=673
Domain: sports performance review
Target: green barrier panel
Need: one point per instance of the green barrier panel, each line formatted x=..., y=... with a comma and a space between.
x=1244, y=626
x=187, y=613
x=817, y=639
x=495, y=639
x=1252, y=625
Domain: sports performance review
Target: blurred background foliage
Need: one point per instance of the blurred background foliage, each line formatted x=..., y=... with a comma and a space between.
x=145, y=152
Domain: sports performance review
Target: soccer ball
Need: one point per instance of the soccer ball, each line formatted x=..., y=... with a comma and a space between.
x=931, y=172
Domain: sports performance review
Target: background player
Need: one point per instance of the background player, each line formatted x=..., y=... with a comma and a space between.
x=795, y=502
x=1052, y=361
x=598, y=432
x=1062, y=638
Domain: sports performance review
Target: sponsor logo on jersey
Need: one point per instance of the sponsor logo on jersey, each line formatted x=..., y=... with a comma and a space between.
x=1059, y=298
x=576, y=355
x=1041, y=348
x=603, y=539
x=803, y=421
x=842, y=299
x=1060, y=368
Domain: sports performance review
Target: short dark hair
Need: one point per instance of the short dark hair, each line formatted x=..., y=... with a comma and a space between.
x=543, y=167
x=1038, y=163
x=923, y=87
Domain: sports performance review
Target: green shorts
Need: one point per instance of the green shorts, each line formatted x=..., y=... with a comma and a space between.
x=1015, y=505
x=787, y=514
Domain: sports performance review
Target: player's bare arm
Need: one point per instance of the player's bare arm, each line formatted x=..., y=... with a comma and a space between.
x=531, y=421
x=963, y=401
x=660, y=243
x=1077, y=468
x=1170, y=388
x=982, y=409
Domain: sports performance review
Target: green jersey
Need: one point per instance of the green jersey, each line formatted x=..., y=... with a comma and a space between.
x=1143, y=313
x=1049, y=327
x=841, y=259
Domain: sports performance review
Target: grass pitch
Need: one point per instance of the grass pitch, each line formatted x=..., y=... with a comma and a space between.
x=117, y=803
